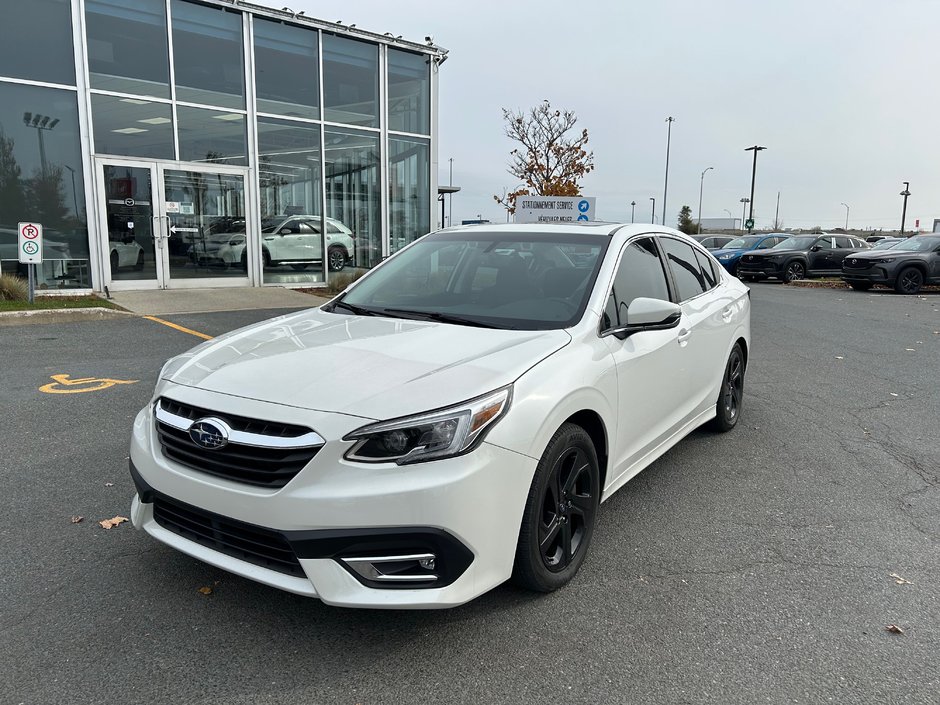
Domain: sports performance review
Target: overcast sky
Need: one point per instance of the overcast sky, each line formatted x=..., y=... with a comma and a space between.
x=842, y=93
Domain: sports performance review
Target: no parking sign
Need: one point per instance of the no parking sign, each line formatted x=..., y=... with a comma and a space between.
x=30, y=243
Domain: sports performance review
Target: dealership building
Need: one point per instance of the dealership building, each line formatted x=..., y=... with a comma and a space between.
x=173, y=143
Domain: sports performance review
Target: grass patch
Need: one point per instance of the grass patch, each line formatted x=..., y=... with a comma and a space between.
x=49, y=302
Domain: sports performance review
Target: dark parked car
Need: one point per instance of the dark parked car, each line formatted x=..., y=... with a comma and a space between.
x=800, y=256
x=713, y=242
x=731, y=253
x=906, y=267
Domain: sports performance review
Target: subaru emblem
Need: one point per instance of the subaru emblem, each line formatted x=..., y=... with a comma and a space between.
x=210, y=433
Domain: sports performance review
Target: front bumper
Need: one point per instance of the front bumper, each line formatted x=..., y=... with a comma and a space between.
x=759, y=269
x=464, y=511
x=874, y=275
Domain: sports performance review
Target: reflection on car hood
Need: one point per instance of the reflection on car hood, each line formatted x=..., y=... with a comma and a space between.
x=774, y=251
x=718, y=253
x=367, y=366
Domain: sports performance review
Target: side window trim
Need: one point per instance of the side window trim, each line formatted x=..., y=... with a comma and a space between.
x=670, y=285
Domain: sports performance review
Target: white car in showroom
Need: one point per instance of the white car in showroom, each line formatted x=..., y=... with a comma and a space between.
x=450, y=421
x=293, y=240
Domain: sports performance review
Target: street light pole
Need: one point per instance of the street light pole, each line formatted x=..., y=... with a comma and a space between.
x=450, y=197
x=745, y=201
x=701, y=187
x=846, y=216
x=632, y=211
x=906, y=192
x=74, y=193
x=41, y=123
x=669, y=121
x=653, y=199
x=754, y=149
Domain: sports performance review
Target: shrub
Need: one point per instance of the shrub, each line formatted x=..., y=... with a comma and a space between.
x=338, y=282
x=13, y=288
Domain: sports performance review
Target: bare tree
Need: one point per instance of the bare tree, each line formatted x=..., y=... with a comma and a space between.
x=548, y=160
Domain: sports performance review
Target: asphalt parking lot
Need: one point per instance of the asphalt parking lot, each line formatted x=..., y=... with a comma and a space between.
x=760, y=566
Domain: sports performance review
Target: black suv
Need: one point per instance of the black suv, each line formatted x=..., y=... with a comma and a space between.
x=800, y=256
x=905, y=267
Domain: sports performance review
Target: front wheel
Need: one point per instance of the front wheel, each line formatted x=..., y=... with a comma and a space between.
x=794, y=272
x=560, y=512
x=336, y=258
x=731, y=396
x=909, y=281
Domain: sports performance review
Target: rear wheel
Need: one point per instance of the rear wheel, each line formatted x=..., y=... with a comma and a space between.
x=793, y=272
x=140, y=261
x=336, y=258
x=731, y=396
x=115, y=262
x=909, y=281
x=861, y=286
x=560, y=512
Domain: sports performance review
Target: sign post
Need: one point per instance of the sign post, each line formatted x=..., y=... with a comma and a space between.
x=29, y=246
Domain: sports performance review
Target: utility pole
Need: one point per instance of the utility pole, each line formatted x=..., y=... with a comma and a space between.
x=632, y=211
x=669, y=121
x=906, y=192
x=754, y=149
x=777, y=213
x=846, y=216
x=450, y=197
x=653, y=199
x=745, y=201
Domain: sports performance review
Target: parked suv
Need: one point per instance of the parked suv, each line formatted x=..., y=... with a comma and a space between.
x=801, y=256
x=731, y=253
x=905, y=267
x=294, y=240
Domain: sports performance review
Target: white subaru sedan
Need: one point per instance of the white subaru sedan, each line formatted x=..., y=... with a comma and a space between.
x=452, y=420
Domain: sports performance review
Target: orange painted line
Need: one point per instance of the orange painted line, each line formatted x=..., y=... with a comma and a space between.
x=179, y=328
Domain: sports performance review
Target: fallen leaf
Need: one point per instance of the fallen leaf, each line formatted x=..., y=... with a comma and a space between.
x=894, y=629
x=899, y=580
x=205, y=590
x=76, y=519
x=892, y=394
x=839, y=357
x=109, y=484
x=114, y=521
x=910, y=349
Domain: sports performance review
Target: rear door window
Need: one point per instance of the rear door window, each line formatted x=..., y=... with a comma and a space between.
x=685, y=268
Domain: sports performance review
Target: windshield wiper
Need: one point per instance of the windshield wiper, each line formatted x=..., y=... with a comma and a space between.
x=437, y=316
x=358, y=310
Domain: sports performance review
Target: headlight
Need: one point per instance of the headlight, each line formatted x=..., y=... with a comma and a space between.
x=727, y=256
x=437, y=434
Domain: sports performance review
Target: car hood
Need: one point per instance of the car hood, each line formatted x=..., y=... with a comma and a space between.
x=738, y=252
x=772, y=252
x=367, y=366
x=881, y=254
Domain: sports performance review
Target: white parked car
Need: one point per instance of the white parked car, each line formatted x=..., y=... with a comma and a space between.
x=294, y=240
x=125, y=252
x=450, y=421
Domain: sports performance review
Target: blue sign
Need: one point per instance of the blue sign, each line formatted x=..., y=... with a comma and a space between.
x=583, y=206
x=583, y=217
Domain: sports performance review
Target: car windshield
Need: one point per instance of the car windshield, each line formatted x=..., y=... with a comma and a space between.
x=917, y=244
x=885, y=244
x=536, y=281
x=795, y=243
x=742, y=243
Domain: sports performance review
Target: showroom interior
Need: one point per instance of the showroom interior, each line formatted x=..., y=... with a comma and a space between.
x=180, y=144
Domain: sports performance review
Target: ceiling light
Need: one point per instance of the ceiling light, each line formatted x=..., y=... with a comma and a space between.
x=229, y=116
x=129, y=130
x=134, y=101
x=156, y=121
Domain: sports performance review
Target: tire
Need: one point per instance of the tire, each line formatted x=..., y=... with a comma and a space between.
x=909, y=281
x=861, y=286
x=243, y=262
x=115, y=263
x=336, y=258
x=731, y=397
x=266, y=259
x=793, y=272
x=560, y=512
x=140, y=261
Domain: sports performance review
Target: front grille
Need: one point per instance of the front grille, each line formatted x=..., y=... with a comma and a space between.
x=271, y=467
x=247, y=542
x=857, y=264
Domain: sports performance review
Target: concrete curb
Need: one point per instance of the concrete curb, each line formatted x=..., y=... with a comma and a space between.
x=60, y=315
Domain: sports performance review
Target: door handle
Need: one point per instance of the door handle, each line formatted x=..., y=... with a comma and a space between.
x=727, y=313
x=684, y=335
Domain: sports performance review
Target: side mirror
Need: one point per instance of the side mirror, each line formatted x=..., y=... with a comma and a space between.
x=648, y=314
x=815, y=248
x=285, y=231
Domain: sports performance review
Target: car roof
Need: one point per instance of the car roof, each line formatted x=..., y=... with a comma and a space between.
x=594, y=227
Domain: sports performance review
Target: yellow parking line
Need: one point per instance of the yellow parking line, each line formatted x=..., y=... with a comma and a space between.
x=179, y=328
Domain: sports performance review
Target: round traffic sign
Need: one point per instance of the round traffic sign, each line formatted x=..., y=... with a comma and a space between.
x=30, y=232
x=30, y=248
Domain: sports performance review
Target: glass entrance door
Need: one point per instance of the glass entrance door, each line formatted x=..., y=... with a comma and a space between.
x=171, y=226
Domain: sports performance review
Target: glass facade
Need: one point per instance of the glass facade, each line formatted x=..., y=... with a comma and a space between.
x=204, y=142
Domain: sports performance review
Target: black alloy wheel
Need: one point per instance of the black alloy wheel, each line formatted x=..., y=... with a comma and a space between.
x=336, y=258
x=115, y=262
x=560, y=512
x=861, y=286
x=793, y=272
x=731, y=396
x=909, y=281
